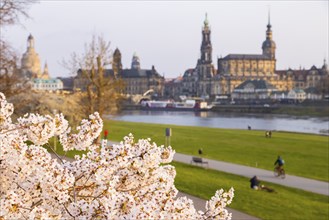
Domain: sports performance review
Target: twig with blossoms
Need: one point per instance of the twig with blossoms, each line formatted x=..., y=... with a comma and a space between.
x=129, y=180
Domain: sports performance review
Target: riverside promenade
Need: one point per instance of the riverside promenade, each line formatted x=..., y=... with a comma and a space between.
x=306, y=184
x=310, y=185
x=246, y=171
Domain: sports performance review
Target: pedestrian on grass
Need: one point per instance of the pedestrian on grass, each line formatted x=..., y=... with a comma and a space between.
x=255, y=184
x=105, y=134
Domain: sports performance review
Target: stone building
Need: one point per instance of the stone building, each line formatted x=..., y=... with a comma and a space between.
x=235, y=69
x=315, y=81
x=47, y=84
x=173, y=88
x=302, y=78
x=136, y=80
x=197, y=81
x=31, y=70
x=254, y=89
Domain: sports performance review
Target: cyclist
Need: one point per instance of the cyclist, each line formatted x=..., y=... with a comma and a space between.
x=279, y=162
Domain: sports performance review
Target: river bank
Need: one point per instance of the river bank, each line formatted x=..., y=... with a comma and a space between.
x=318, y=109
x=230, y=120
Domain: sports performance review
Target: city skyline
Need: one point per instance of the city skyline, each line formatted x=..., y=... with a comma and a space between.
x=167, y=34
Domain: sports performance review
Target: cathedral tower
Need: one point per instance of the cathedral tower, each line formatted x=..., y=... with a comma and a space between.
x=269, y=45
x=206, y=48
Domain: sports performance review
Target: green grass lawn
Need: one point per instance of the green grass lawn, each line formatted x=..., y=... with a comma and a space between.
x=60, y=151
x=305, y=155
x=284, y=203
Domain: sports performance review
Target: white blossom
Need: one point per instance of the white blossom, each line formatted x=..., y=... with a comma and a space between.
x=129, y=180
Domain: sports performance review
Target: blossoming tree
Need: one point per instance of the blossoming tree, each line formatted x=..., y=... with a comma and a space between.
x=129, y=180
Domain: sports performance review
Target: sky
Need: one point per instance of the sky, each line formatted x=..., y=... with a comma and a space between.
x=167, y=34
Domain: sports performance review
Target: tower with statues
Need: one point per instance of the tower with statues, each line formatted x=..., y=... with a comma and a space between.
x=205, y=69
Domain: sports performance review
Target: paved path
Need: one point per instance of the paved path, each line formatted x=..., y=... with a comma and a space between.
x=306, y=184
x=265, y=175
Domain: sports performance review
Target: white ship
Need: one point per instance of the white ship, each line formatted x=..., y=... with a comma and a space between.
x=170, y=105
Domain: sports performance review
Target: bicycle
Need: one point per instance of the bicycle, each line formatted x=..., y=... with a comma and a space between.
x=279, y=172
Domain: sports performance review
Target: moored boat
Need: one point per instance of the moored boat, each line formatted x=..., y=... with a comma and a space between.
x=187, y=105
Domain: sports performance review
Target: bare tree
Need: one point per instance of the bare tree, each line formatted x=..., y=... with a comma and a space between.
x=11, y=82
x=12, y=10
x=100, y=85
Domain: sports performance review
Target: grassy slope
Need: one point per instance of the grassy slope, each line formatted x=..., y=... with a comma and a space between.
x=285, y=203
x=306, y=155
x=223, y=144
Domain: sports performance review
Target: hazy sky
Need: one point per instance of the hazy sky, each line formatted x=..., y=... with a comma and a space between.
x=167, y=34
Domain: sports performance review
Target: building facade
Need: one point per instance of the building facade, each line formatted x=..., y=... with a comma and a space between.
x=31, y=70
x=254, y=89
x=235, y=69
x=198, y=81
x=137, y=81
x=47, y=84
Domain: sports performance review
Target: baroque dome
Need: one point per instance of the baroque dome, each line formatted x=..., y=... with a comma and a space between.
x=269, y=44
x=30, y=61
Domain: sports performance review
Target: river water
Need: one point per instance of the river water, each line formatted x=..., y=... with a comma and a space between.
x=290, y=123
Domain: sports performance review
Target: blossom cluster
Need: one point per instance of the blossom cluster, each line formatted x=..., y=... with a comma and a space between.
x=129, y=180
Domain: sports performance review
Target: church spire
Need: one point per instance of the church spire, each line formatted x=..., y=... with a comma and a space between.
x=269, y=16
x=206, y=22
x=269, y=31
x=268, y=45
x=206, y=48
x=325, y=65
x=45, y=69
x=45, y=74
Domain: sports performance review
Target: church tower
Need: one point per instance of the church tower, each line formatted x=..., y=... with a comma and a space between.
x=135, y=64
x=204, y=68
x=116, y=64
x=269, y=45
x=45, y=74
x=30, y=63
x=206, y=48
